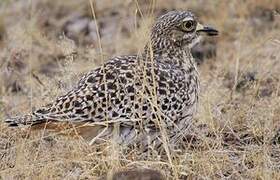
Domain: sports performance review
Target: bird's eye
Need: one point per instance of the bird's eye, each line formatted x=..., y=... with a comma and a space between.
x=188, y=25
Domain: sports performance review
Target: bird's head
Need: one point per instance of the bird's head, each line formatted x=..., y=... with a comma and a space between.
x=178, y=28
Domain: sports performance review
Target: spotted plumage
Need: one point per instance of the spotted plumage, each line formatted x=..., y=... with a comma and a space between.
x=144, y=94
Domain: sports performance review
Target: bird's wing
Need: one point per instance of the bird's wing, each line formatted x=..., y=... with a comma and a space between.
x=88, y=101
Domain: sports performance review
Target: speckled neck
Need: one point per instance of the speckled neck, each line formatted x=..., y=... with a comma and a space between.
x=169, y=53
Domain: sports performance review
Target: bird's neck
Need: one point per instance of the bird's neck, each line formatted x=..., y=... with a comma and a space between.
x=169, y=53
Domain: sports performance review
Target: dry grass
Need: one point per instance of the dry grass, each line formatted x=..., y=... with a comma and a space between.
x=237, y=124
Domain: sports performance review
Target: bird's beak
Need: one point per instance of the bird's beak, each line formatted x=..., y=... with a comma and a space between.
x=206, y=29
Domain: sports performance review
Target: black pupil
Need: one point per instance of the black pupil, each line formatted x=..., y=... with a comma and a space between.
x=189, y=24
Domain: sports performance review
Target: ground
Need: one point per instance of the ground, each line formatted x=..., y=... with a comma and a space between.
x=47, y=45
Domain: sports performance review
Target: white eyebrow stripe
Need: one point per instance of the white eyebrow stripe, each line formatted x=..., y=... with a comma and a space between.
x=187, y=18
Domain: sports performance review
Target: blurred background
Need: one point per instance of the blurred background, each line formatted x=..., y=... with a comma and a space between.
x=46, y=45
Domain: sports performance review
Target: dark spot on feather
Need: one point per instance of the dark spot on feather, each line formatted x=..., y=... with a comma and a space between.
x=171, y=84
x=99, y=117
x=88, y=108
x=129, y=75
x=94, y=105
x=161, y=84
x=91, y=79
x=113, y=94
x=100, y=110
x=123, y=80
x=42, y=111
x=162, y=78
x=175, y=106
x=130, y=89
x=128, y=110
x=77, y=104
x=102, y=87
x=124, y=67
x=101, y=94
x=162, y=92
x=85, y=116
x=89, y=98
x=164, y=107
x=111, y=85
x=67, y=105
x=145, y=108
x=115, y=114
x=109, y=76
x=117, y=101
x=79, y=111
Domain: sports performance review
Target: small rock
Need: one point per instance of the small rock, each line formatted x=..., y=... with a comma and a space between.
x=81, y=30
x=138, y=174
x=267, y=87
x=265, y=92
x=246, y=80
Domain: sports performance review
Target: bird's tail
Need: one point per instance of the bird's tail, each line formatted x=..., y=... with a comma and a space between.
x=23, y=121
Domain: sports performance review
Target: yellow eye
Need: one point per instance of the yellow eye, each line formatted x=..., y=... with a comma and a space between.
x=188, y=25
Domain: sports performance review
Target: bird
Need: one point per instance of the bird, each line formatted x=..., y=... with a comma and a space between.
x=135, y=98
